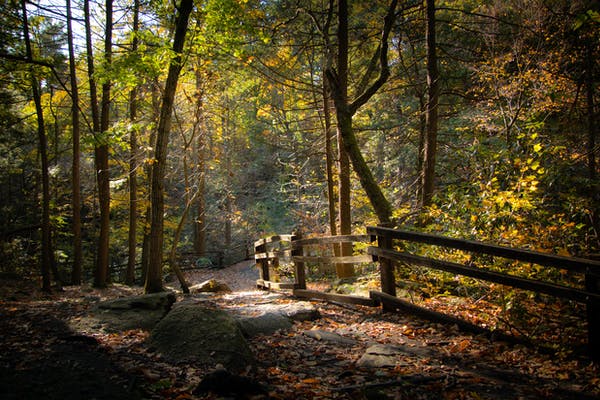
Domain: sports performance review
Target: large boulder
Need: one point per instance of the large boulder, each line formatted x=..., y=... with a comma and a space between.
x=136, y=312
x=202, y=335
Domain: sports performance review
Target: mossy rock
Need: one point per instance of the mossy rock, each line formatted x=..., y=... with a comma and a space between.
x=202, y=335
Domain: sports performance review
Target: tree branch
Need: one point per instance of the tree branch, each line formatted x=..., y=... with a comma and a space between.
x=384, y=71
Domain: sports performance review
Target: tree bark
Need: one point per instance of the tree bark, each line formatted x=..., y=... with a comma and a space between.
x=133, y=161
x=431, y=116
x=592, y=137
x=200, y=222
x=76, y=168
x=345, y=109
x=153, y=276
x=102, y=168
x=148, y=213
x=47, y=257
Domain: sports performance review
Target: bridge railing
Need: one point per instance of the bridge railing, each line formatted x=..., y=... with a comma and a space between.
x=385, y=243
x=386, y=253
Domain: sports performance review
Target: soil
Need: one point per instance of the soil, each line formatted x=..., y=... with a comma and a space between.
x=41, y=357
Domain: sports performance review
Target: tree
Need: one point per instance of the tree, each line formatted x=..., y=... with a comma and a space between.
x=345, y=109
x=47, y=258
x=101, y=156
x=153, y=278
x=431, y=109
x=133, y=159
x=76, y=183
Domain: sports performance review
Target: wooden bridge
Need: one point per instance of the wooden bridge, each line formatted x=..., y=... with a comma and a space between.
x=382, y=246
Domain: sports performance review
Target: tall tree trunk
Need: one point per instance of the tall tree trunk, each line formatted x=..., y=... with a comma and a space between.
x=592, y=137
x=153, y=277
x=431, y=116
x=148, y=213
x=76, y=170
x=200, y=223
x=47, y=257
x=345, y=109
x=343, y=270
x=329, y=162
x=101, y=275
x=133, y=161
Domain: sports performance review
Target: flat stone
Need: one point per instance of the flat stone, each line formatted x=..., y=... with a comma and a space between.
x=297, y=311
x=264, y=324
x=379, y=356
x=383, y=355
x=329, y=337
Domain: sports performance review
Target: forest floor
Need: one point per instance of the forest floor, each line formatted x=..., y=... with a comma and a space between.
x=42, y=358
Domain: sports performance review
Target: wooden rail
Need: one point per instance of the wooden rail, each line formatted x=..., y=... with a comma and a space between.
x=387, y=255
x=268, y=252
x=384, y=250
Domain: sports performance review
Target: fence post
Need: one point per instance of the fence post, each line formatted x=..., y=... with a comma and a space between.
x=592, y=285
x=262, y=263
x=388, y=281
x=300, y=272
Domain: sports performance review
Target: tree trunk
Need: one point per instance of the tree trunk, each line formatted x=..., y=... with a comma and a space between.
x=133, y=161
x=200, y=222
x=76, y=184
x=329, y=161
x=153, y=277
x=345, y=110
x=101, y=275
x=592, y=138
x=47, y=256
x=431, y=116
x=148, y=214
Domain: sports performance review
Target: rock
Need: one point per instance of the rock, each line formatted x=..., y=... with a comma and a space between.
x=299, y=311
x=382, y=355
x=136, y=312
x=264, y=324
x=379, y=355
x=264, y=319
x=155, y=301
x=329, y=337
x=202, y=335
x=211, y=285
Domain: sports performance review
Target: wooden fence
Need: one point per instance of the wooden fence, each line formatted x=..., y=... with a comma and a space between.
x=384, y=245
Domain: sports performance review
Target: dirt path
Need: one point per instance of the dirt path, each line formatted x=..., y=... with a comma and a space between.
x=239, y=277
x=40, y=357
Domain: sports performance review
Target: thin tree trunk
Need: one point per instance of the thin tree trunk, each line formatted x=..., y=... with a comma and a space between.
x=431, y=117
x=329, y=162
x=47, y=256
x=200, y=223
x=592, y=139
x=133, y=162
x=153, y=277
x=76, y=169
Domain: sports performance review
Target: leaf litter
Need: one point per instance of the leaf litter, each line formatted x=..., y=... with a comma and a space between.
x=435, y=361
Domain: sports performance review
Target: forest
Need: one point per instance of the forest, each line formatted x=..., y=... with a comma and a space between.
x=140, y=138
x=134, y=132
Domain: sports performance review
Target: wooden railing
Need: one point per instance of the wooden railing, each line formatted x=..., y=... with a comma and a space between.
x=269, y=252
x=387, y=255
x=386, y=241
